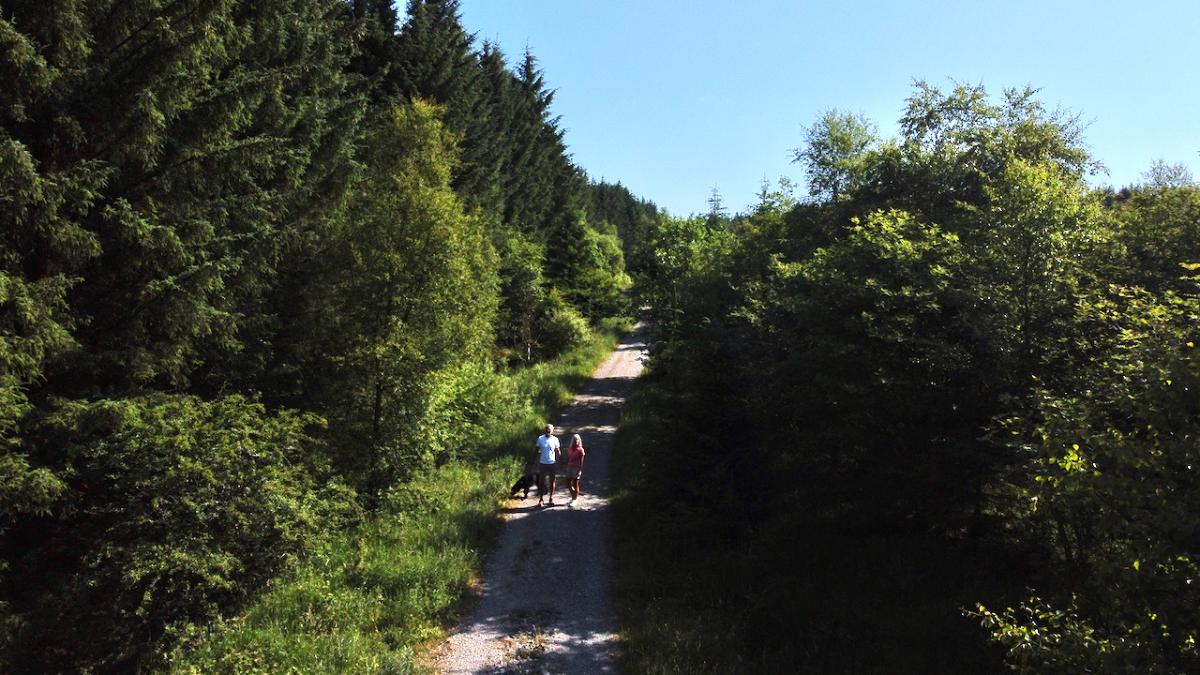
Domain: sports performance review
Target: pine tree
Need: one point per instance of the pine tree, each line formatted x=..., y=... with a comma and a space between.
x=497, y=91
x=182, y=151
x=536, y=170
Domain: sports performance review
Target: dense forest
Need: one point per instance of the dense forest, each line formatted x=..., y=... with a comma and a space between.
x=940, y=414
x=261, y=262
x=264, y=264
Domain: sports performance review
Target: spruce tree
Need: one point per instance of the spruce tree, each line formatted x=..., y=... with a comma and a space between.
x=436, y=63
x=538, y=156
x=377, y=46
x=157, y=162
x=181, y=147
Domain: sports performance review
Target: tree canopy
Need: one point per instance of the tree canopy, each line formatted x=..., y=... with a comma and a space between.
x=956, y=377
x=260, y=262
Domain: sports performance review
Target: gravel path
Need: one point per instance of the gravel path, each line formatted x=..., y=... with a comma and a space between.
x=545, y=603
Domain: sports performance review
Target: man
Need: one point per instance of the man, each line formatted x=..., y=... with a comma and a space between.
x=548, y=455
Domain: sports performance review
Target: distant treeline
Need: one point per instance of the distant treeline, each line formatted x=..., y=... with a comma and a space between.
x=259, y=262
x=952, y=394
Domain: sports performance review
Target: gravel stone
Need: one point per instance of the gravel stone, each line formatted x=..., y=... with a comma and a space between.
x=545, y=601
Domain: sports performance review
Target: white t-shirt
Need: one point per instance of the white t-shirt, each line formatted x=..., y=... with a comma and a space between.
x=547, y=444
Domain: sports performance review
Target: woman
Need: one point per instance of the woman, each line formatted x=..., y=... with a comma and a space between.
x=575, y=455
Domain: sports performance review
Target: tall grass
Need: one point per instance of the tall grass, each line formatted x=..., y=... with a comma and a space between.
x=370, y=598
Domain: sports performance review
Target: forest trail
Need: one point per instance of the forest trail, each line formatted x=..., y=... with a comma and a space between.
x=545, y=602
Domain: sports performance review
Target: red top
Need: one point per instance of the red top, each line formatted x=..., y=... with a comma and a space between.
x=575, y=456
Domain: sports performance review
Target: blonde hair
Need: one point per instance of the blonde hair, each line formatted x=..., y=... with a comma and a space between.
x=576, y=440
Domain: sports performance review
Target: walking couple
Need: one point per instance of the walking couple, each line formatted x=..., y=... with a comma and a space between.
x=549, y=457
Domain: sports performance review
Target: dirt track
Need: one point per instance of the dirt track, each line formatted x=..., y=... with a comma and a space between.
x=545, y=603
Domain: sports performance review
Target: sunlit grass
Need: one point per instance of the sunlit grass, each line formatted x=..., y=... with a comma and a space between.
x=370, y=598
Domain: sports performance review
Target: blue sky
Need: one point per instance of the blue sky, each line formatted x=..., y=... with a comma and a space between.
x=673, y=98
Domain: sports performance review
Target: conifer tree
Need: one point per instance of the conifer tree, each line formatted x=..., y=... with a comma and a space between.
x=497, y=87
x=157, y=161
x=635, y=221
x=532, y=166
x=436, y=62
x=376, y=53
x=179, y=150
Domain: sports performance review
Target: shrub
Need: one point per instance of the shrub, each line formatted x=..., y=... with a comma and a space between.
x=177, y=510
x=559, y=327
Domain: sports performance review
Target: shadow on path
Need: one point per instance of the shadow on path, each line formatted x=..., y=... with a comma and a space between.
x=545, y=601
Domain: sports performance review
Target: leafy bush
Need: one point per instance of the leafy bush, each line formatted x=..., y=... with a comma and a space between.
x=177, y=510
x=559, y=327
x=1109, y=494
x=468, y=402
x=369, y=597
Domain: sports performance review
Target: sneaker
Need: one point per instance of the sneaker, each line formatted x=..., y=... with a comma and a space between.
x=571, y=501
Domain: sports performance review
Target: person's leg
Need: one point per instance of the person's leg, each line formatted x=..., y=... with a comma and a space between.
x=552, y=477
x=541, y=479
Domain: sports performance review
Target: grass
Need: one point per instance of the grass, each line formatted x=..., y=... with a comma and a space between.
x=374, y=598
x=547, y=388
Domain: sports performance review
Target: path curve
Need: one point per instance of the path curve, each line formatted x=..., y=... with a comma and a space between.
x=545, y=602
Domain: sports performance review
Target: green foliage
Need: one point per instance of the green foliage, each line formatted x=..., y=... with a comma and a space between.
x=834, y=153
x=372, y=596
x=404, y=292
x=1042, y=639
x=428, y=274
x=523, y=295
x=956, y=376
x=159, y=155
x=559, y=325
x=590, y=268
x=1159, y=226
x=1040, y=246
x=676, y=248
x=1110, y=490
x=366, y=599
x=32, y=331
x=175, y=510
x=248, y=278
x=634, y=219
x=535, y=321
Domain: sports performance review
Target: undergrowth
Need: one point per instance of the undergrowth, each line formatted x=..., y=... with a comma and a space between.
x=704, y=589
x=370, y=599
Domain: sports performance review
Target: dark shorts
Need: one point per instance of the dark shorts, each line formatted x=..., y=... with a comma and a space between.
x=574, y=472
x=547, y=469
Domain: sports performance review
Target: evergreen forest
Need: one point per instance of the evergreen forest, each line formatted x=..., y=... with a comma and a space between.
x=262, y=265
x=287, y=286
